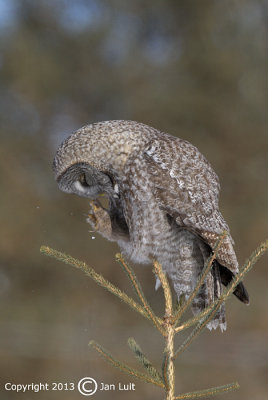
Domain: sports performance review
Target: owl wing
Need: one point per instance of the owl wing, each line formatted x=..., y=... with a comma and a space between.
x=187, y=188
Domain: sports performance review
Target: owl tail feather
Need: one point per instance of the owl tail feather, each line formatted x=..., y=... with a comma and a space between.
x=240, y=291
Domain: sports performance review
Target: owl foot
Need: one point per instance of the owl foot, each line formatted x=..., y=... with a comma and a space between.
x=99, y=219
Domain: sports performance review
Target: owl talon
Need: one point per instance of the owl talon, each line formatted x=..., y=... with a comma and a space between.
x=99, y=219
x=91, y=219
x=94, y=205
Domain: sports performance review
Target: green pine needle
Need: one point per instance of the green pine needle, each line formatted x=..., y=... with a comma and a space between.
x=152, y=371
x=122, y=366
x=166, y=325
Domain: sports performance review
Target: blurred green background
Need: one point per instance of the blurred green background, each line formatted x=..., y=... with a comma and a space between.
x=195, y=69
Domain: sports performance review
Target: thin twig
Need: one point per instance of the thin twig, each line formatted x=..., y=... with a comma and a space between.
x=192, y=321
x=168, y=367
x=208, y=392
x=167, y=325
x=96, y=277
x=166, y=288
x=138, y=290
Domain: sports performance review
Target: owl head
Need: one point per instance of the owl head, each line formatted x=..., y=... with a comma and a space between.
x=90, y=160
x=84, y=180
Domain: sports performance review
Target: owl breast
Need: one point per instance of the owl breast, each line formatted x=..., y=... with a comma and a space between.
x=153, y=233
x=151, y=241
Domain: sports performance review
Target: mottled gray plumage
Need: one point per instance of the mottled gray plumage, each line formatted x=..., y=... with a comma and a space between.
x=163, y=202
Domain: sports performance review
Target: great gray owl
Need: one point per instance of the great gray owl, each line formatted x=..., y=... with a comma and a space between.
x=163, y=203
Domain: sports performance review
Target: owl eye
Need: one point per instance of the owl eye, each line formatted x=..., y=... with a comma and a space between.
x=82, y=180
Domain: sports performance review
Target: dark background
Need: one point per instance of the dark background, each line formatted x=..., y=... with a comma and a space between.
x=195, y=69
